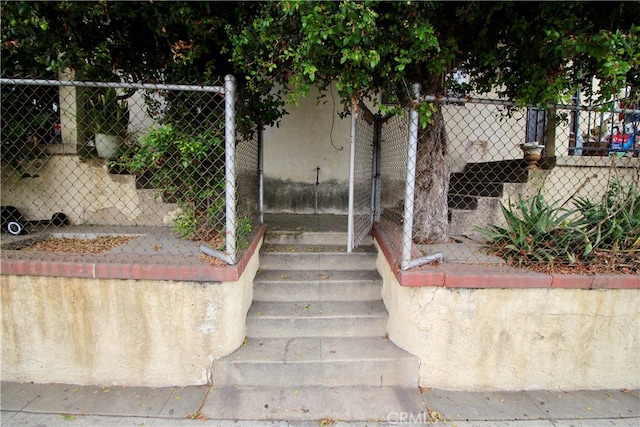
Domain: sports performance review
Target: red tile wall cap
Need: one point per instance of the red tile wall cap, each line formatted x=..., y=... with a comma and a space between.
x=483, y=276
x=195, y=273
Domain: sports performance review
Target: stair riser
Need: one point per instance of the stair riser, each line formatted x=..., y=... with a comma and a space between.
x=483, y=189
x=293, y=292
x=401, y=372
x=467, y=222
x=317, y=261
x=455, y=201
x=261, y=327
x=306, y=238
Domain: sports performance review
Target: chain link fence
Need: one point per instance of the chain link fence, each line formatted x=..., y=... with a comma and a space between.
x=547, y=188
x=126, y=170
x=113, y=171
x=361, y=193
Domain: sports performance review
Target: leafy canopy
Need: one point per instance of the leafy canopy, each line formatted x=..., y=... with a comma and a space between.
x=140, y=41
x=533, y=52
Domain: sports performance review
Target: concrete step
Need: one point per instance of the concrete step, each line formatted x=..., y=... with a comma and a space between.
x=466, y=222
x=328, y=257
x=317, y=361
x=316, y=285
x=317, y=319
x=460, y=186
x=310, y=405
x=306, y=238
x=456, y=201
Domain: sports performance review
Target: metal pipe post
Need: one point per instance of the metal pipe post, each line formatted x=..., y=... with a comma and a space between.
x=230, y=164
x=260, y=175
x=352, y=163
x=412, y=154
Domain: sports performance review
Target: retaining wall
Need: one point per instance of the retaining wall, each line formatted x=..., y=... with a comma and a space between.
x=102, y=331
x=474, y=329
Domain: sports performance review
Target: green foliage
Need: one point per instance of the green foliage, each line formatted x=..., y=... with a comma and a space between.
x=532, y=53
x=243, y=231
x=144, y=41
x=540, y=233
x=614, y=223
x=535, y=53
x=187, y=167
x=185, y=223
x=537, y=232
x=106, y=112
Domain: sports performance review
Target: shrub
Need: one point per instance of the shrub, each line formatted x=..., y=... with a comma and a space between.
x=188, y=168
x=613, y=225
x=537, y=232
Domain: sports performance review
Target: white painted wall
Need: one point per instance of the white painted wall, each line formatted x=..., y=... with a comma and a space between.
x=312, y=135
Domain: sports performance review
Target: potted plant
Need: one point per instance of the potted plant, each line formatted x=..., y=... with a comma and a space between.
x=532, y=153
x=109, y=117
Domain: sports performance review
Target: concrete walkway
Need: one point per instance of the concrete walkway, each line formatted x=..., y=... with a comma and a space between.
x=26, y=404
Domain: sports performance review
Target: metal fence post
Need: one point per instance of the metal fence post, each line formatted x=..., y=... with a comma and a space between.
x=260, y=176
x=230, y=165
x=412, y=153
x=352, y=154
x=375, y=171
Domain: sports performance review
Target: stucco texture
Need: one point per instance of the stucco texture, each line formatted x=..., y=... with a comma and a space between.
x=517, y=338
x=120, y=332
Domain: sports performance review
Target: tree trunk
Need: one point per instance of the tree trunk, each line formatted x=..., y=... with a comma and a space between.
x=432, y=182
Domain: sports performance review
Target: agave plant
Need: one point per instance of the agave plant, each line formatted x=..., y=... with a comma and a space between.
x=537, y=232
x=614, y=223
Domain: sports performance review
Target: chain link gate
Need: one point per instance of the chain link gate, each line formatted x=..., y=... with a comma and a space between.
x=361, y=175
x=115, y=161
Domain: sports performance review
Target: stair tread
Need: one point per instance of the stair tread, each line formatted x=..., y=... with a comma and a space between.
x=315, y=276
x=330, y=249
x=316, y=350
x=316, y=319
x=317, y=309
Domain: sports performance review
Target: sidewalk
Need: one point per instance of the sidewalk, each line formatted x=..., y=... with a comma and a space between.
x=26, y=404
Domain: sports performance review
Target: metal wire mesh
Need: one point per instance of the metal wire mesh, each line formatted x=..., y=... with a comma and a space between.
x=363, y=153
x=103, y=159
x=392, y=178
x=248, y=205
x=585, y=154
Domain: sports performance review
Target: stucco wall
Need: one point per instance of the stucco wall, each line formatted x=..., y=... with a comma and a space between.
x=84, y=191
x=590, y=175
x=515, y=338
x=128, y=332
x=311, y=136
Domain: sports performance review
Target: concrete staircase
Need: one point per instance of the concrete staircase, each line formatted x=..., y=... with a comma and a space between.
x=475, y=194
x=317, y=319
